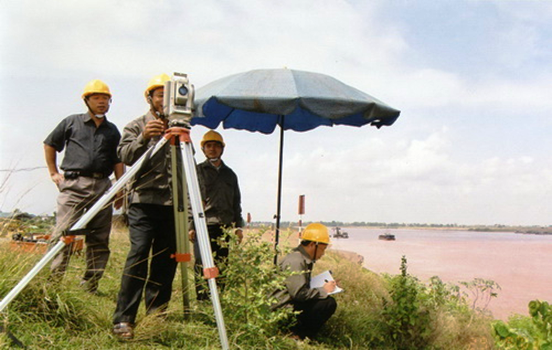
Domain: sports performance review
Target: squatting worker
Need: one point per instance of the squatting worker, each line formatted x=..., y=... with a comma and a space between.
x=222, y=205
x=90, y=143
x=151, y=218
x=314, y=304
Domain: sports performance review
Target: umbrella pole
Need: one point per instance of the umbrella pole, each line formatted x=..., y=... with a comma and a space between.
x=279, y=187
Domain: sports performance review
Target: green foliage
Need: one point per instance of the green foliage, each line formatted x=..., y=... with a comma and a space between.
x=526, y=333
x=250, y=277
x=406, y=317
x=433, y=316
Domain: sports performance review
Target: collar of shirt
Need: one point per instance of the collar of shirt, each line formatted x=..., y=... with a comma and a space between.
x=301, y=249
x=150, y=116
x=87, y=118
x=207, y=163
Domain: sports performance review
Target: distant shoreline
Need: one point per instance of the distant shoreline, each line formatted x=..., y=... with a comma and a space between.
x=290, y=225
x=497, y=228
x=516, y=230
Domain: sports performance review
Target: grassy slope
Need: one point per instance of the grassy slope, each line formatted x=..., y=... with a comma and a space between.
x=63, y=317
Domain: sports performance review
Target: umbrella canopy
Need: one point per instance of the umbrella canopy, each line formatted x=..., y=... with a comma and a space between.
x=259, y=100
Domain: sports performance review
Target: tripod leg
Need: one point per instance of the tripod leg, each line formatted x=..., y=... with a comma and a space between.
x=180, y=206
x=83, y=221
x=202, y=236
x=32, y=273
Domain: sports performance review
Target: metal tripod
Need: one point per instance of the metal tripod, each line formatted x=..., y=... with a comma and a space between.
x=180, y=137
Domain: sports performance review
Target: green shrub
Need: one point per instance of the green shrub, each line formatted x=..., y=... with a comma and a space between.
x=250, y=277
x=433, y=316
x=526, y=333
x=406, y=317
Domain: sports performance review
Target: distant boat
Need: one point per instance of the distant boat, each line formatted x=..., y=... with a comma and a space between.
x=338, y=233
x=387, y=237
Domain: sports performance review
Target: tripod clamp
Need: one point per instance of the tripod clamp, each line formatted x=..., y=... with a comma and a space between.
x=181, y=257
x=178, y=133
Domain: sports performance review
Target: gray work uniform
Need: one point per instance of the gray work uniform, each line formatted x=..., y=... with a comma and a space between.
x=314, y=304
x=89, y=160
x=152, y=184
x=297, y=286
x=149, y=268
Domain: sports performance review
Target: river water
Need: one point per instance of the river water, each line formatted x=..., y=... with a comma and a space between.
x=519, y=263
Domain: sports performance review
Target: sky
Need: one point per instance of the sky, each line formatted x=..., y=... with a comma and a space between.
x=472, y=80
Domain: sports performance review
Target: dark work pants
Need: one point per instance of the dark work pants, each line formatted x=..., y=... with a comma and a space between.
x=152, y=228
x=221, y=254
x=314, y=314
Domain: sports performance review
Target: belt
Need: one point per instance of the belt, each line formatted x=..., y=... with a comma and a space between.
x=76, y=174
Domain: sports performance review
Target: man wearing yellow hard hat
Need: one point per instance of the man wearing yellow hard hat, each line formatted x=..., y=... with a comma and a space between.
x=222, y=204
x=315, y=306
x=90, y=143
x=151, y=218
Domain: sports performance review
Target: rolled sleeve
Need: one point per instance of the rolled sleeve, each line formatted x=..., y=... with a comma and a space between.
x=57, y=137
x=132, y=145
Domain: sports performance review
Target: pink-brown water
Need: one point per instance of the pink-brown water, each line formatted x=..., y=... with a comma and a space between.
x=519, y=263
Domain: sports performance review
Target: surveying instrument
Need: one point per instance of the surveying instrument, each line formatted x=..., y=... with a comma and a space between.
x=178, y=106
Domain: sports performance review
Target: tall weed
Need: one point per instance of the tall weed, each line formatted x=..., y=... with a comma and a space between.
x=250, y=277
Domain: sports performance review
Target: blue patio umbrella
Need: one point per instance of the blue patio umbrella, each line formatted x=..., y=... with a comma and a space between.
x=259, y=100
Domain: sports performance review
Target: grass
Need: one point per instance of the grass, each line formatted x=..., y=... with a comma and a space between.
x=46, y=316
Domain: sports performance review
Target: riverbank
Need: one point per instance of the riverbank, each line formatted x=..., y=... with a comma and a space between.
x=59, y=316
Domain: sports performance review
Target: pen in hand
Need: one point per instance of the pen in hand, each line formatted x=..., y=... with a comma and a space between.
x=329, y=286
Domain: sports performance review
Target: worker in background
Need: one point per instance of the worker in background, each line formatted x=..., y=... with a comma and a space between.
x=222, y=205
x=90, y=142
x=151, y=217
x=314, y=305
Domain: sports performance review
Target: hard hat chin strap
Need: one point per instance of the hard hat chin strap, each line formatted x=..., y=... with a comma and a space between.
x=100, y=116
x=315, y=253
x=153, y=109
x=214, y=159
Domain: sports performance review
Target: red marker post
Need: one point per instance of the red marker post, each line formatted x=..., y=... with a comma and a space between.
x=301, y=211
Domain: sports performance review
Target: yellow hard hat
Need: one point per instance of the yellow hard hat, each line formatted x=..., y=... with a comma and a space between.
x=96, y=86
x=316, y=232
x=156, y=82
x=212, y=135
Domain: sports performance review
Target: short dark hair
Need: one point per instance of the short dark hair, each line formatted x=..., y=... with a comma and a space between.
x=305, y=242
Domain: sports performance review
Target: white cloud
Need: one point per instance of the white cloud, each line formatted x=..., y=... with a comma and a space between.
x=130, y=37
x=421, y=181
x=412, y=171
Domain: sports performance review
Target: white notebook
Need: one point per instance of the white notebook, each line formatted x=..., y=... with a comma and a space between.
x=319, y=280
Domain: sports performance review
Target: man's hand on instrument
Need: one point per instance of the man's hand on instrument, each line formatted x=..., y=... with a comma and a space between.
x=153, y=128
